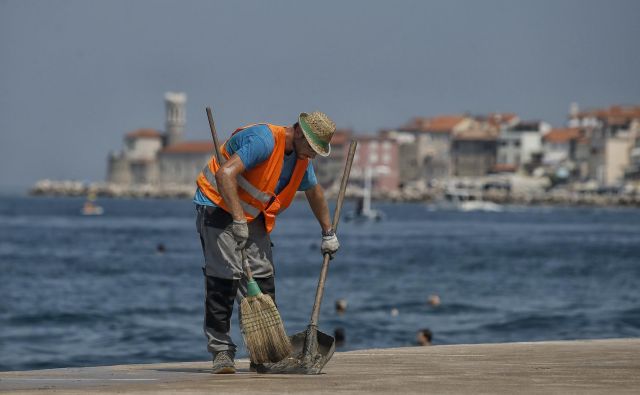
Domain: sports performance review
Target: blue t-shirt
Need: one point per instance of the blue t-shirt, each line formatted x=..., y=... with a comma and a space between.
x=254, y=145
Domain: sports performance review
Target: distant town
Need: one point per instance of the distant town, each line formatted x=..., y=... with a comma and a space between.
x=593, y=159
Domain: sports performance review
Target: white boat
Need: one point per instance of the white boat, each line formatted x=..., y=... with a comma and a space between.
x=465, y=200
x=480, y=205
x=363, y=211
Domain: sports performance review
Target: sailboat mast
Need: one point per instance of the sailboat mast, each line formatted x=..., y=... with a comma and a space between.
x=366, y=207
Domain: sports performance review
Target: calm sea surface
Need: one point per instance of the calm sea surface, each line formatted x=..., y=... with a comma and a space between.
x=82, y=291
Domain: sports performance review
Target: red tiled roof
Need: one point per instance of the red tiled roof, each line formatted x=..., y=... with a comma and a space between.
x=143, y=133
x=189, y=147
x=445, y=123
x=437, y=124
x=416, y=124
x=619, y=119
x=614, y=115
x=562, y=135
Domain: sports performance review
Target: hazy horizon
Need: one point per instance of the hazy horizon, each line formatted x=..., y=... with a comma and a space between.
x=77, y=75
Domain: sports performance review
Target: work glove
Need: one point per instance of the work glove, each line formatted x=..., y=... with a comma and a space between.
x=330, y=243
x=240, y=232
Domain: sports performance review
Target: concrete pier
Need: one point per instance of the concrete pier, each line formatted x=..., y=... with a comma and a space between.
x=563, y=367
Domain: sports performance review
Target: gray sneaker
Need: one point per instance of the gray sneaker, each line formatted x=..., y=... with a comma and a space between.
x=223, y=363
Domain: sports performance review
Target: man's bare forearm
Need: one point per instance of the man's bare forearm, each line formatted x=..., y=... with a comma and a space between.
x=228, y=186
x=319, y=206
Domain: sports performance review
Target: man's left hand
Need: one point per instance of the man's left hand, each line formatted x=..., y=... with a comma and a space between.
x=330, y=243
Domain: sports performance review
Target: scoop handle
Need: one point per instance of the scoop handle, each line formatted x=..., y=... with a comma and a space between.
x=336, y=218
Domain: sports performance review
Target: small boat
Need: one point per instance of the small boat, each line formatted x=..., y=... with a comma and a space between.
x=480, y=205
x=465, y=200
x=90, y=207
x=363, y=211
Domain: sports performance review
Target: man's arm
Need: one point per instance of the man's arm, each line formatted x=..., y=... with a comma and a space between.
x=319, y=206
x=228, y=185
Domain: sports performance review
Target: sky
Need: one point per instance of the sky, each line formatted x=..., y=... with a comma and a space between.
x=75, y=76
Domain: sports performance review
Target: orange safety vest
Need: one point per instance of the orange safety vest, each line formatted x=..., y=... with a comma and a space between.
x=256, y=186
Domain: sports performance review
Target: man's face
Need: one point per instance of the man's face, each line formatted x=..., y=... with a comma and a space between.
x=301, y=145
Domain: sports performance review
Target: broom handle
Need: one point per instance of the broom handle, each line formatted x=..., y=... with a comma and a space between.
x=336, y=218
x=220, y=159
x=214, y=135
x=245, y=265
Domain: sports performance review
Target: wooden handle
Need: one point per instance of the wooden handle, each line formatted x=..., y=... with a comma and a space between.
x=336, y=218
x=245, y=265
x=220, y=158
x=343, y=184
x=214, y=136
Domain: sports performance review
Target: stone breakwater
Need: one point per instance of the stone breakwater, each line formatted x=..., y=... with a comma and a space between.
x=558, y=196
x=105, y=189
x=565, y=197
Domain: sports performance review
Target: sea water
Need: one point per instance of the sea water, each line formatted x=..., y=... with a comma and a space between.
x=81, y=291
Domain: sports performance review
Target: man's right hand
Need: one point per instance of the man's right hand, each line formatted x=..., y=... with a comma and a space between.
x=240, y=231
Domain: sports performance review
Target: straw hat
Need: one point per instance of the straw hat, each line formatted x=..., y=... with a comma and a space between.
x=318, y=128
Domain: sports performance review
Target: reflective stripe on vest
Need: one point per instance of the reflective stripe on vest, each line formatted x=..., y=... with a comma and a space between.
x=254, y=212
x=242, y=183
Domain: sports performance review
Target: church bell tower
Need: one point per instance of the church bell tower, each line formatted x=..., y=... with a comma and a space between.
x=176, y=116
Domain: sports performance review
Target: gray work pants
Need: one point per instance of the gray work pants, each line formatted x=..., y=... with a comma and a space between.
x=224, y=275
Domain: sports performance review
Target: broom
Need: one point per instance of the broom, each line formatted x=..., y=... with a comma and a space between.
x=262, y=327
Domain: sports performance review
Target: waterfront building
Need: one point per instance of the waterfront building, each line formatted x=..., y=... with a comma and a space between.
x=601, y=145
x=520, y=143
x=150, y=157
x=560, y=152
x=474, y=149
x=433, y=139
x=136, y=162
x=612, y=135
x=408, y=170
x=560, y=145
x=379, y=155
x=632, y=172
x=180, y=163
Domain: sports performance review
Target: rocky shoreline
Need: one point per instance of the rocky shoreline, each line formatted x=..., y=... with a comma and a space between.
x=558, y=196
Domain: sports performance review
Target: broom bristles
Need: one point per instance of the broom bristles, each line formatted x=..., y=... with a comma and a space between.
x=263, y=330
